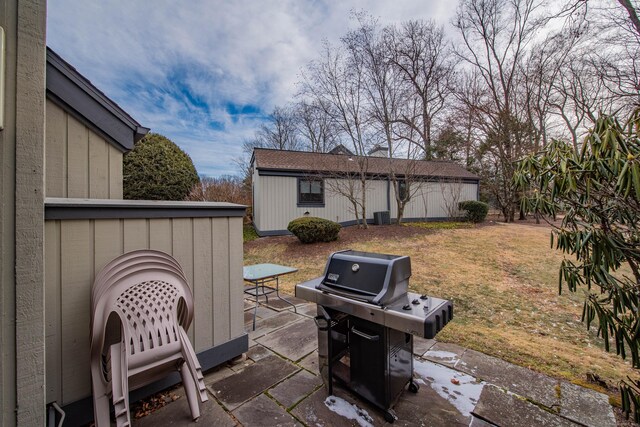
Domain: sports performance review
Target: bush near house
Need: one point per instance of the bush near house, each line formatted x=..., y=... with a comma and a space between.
x=311, y=229
x=475, y=211
x=157, y=169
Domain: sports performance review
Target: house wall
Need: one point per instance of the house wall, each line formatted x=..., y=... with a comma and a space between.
x=79, y=162
x=275, y=201
x=256, y=209
x=208, y=249
x=433, y=200
x=21, y=215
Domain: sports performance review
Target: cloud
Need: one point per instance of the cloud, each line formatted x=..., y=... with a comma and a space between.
x=206, y=73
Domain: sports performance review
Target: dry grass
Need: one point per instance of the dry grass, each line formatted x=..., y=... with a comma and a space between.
x=502, y=279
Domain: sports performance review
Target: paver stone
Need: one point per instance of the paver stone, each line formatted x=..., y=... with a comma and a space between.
x=262, y=411
x=253, y=380
x=293, y=389
x=177, y=413
x=506, y=410
x=294, y=341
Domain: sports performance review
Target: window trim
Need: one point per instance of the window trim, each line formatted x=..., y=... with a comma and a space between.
x=309, y=204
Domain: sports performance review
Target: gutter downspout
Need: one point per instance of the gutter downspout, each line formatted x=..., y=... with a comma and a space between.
x=389, y=194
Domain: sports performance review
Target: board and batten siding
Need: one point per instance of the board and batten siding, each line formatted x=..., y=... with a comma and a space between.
x=208, y=249
x=275, y=201
x=79, y=163
x=432, y=200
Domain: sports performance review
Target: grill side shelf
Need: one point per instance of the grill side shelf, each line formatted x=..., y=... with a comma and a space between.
x=425, y=319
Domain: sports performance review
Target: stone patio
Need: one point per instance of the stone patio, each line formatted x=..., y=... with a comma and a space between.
x=278, y=384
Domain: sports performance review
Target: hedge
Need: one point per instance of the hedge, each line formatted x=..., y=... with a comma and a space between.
x=476, y=211
x=312, y=229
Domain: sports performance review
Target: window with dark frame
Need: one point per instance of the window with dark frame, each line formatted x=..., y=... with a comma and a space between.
x=402, y=189
x=310, y=191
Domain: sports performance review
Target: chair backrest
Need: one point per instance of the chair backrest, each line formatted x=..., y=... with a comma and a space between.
x=126, y=268
x=150, y=297
x=136, y=257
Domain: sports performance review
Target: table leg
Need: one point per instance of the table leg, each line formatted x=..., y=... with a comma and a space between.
x=255, y=308
x=278, y=295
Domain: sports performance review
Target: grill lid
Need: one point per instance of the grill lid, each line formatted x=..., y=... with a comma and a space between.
x=371, y=277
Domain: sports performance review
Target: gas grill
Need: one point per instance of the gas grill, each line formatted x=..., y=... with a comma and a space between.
x=366, y=322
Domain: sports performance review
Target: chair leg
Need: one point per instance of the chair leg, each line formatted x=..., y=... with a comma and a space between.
x=191, y=360
x=100, y=397
x=120, y=385
x=190, y=390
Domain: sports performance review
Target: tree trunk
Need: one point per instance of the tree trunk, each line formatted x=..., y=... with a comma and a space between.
x=400, y=213
x=363, y=186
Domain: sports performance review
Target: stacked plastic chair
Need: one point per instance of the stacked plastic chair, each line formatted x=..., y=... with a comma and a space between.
x=141, y=307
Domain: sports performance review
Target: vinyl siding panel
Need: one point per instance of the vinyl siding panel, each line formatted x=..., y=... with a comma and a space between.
x=275, y=201
x=256, y=200
x=431, y=199
x=208, y=249
x=277, y=204
x=79, y=162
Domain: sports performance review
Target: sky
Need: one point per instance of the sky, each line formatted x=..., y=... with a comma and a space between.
x=206, y=74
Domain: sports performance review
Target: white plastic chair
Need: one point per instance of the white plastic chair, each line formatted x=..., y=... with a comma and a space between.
x=146, y=296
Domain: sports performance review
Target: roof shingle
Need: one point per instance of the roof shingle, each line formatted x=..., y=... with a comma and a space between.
x=303, y=161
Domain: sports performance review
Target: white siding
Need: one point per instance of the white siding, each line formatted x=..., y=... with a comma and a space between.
x=431, y=199
x=275, y=201
x=256, y=208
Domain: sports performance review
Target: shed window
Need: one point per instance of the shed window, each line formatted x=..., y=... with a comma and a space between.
x=310, y=192
x=402, y=190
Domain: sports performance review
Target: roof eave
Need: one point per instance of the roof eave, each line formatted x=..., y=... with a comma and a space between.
x=77, y=95
x=299, y=172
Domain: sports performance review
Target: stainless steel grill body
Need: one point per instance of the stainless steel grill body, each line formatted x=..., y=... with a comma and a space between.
x=425, y=316
x=366, y=323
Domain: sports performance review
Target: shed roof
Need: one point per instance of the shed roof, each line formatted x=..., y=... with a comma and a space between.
x=302, y=161
x=77, y=95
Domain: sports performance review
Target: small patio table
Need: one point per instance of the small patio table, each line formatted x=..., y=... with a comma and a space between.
x=258, y=276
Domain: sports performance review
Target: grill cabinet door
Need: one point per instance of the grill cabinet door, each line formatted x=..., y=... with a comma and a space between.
x=368, y=350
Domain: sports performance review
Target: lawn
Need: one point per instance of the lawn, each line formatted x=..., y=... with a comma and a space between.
x=502, y=279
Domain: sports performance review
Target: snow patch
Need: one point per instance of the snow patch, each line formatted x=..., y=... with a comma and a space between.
x=464, y=395
x=445, y=356
x=347, y=410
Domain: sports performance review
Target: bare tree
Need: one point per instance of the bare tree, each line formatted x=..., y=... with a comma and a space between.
x=383, y=95
x=316, y=128
x=223, y=189
x=423, y=60
x=541, y=71
x=336, y=83
x=579, y=95
x=613, y=46
x=495, y=36
x=451, y=192
x=280, y=130
x=345, y=180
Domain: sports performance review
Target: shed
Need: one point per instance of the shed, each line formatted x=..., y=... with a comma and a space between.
x=288, y=184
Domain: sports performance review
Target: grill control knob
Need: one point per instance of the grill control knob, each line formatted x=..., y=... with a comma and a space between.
x=415, y=302
x=423, y=297
x=406, y=307
x=355, y=268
